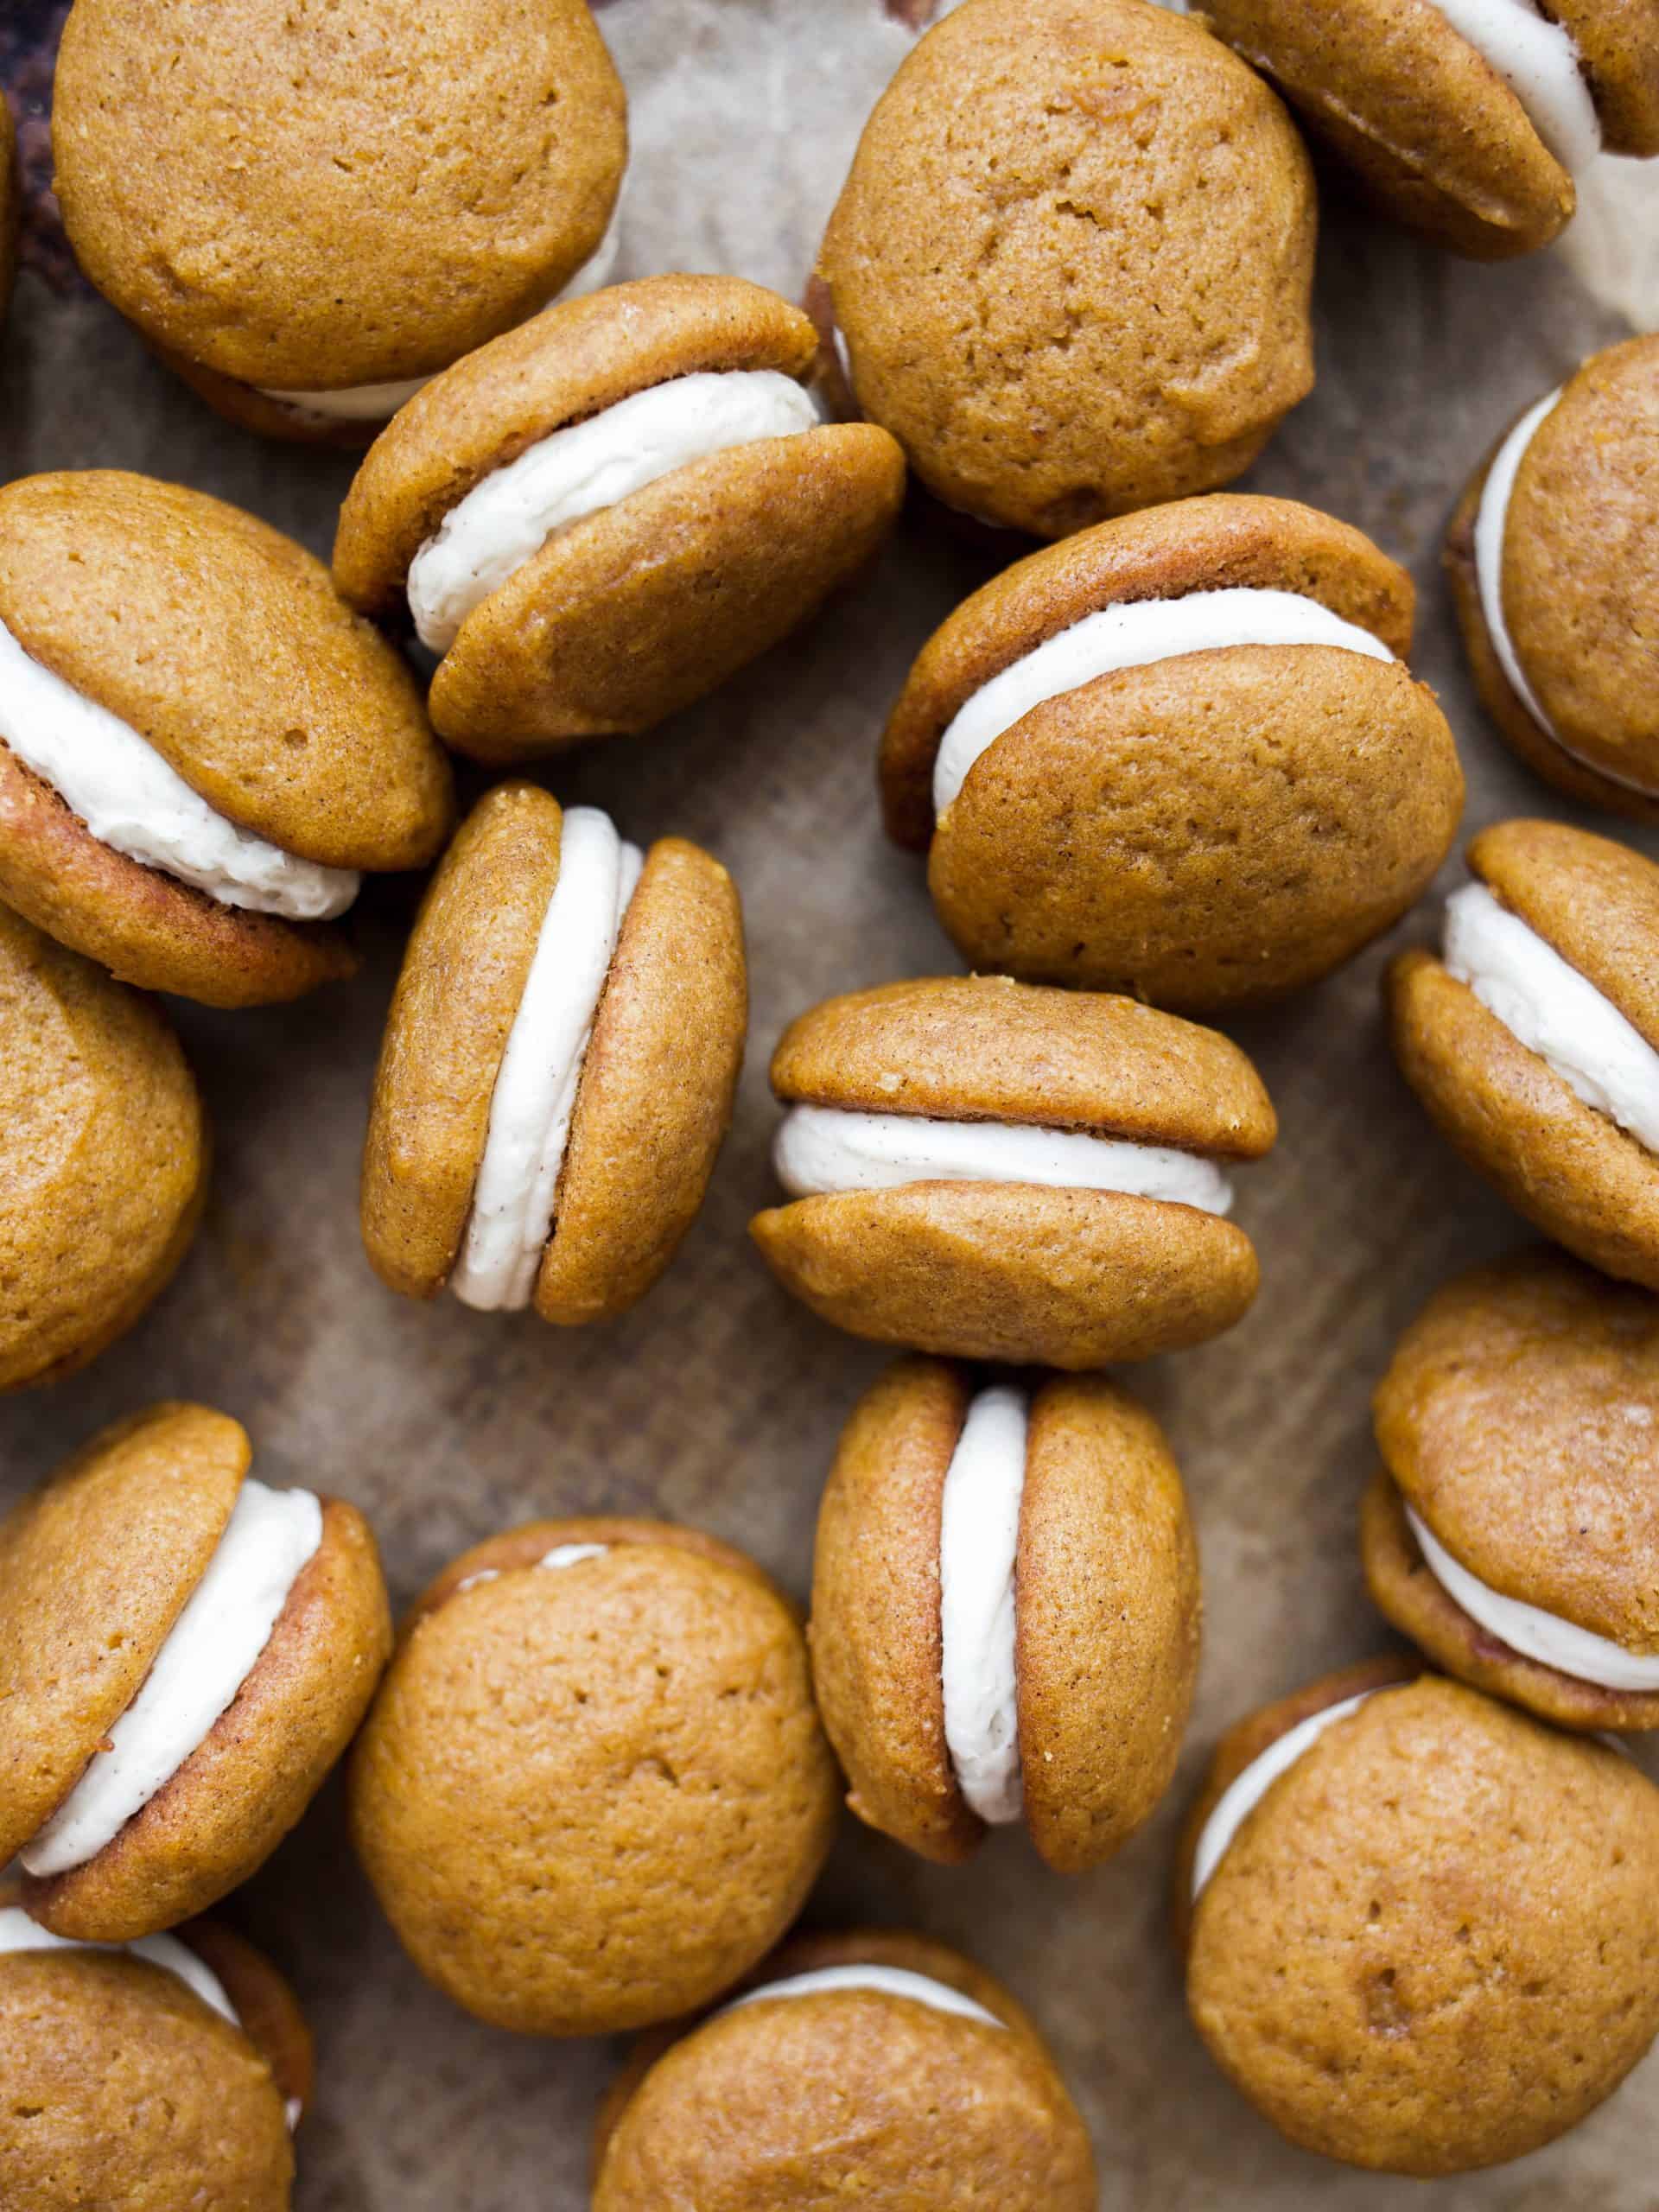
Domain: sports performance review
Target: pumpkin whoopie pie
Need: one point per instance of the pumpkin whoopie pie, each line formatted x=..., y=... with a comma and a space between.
x=201, y=745
x=1070, y=267
x=1467, y=119
x=592, y=1790
x=1005, y=1612
x=310, y=211
x=186, y=1653
x=104, y=1166
x=1178, y=755
x=991, y=1170
x=558, y=1066
x=1554, y=558
x=597, y=519
x=1533, y=1039
x=1512, y=1531
x=169, y=2072
x=875, y=2067
x=1418, y=1926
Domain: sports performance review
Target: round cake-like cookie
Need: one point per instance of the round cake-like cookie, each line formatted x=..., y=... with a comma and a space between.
x=105, y=1167
x=1420, y=1926
x=1513, y=1528
x=308, y=211
x=592, y=1790
x=201, y=747
x=1005, y=1612
x=172, y=2073
x=1554, y=558
x=1178, y=755
x=989, y=1170
x=186, y=1653
x=874, y=2065
x=1467, y=119
x=558, y=1067
x=1070, y=268
x=600, y=517
x=1533, y=1039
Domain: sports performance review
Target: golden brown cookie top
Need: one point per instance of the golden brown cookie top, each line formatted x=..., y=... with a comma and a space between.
x=1520, y=1417
x=301, y=199
x=1618, y=51
x=95, y=1567
x=1226, y=542
x=1596, y=901
x=226, y=646
x=971, y=1048
x=572, y=361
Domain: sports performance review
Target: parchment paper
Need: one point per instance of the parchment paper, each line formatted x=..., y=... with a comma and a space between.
x=719, y=1402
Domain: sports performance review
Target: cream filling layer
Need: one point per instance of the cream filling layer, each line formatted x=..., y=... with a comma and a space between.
x=19, y=1933
x=1492, y=523
x=819, y=1149
x=561, y=1555
x=136, y=803
x=979, y=1543
x=1532, y=1632
x=209, y=1653
x=1133, y=635
x=890, y=1981
x=1539, y=62
x=507, y=518
x=1245, y=1792
x=1548, y=1007
x=535, y=1093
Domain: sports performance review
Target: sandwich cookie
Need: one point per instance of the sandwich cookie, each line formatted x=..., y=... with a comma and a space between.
x=1553, y=560
x=1070, y=268
x=558, y=1067
x=593, y=1791
x=1005, y=1612
x=186, y=1653
x=169, y=2072
x=1467, y=120
x=298, y=207
x=600, y=517
x=1513, y=1529
x=875, y=2066
x=1419, y=1925
x=988, y=1170
x=201, y=747
x=1179, y=755
x=1533, y=1039
x=105, y=1167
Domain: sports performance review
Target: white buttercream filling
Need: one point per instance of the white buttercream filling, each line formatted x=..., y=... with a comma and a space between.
x=535, y=1093
x=134, y=801
x=1539, y=62
x=1133, y=635
x=979, y=1543
x=1532, y=1632
x=891, y=1981
x=209, y=1653
x=507, y=518
x=561, y=1555
x=19, y=1933
x=1548, y=1007
x=822, y=1148
x=1491, y=523
x=1245, y=1792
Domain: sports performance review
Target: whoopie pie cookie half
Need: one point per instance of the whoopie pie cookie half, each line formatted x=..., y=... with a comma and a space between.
x=308, y=211
x=1553, y=560
x=1512, y=1531
x=991, y=1170
x=600, y=517
x=1178, y=755
x=1419, y=1925
x=186, y=1653
x=1468, y=120
x=1070, y=267
x=1534, y=1038
x=169, y=2072
x=872, y=2066
x=103, y=1170
x=201, y=747
x=1005, y=1612
x=592, y=1790
x=558, y=1067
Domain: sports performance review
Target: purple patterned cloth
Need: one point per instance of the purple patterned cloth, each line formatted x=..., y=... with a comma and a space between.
x=30, y=30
